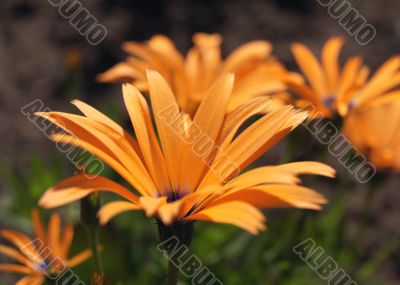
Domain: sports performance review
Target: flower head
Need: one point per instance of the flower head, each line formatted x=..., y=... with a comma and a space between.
x=256, y=71
x=375, y=131
x=44, y=256
x=193, y=172
x=332, y=89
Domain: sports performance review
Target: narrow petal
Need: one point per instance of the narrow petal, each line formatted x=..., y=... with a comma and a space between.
x=249, y=52
x=330, y=61
x=281, y=174
x=53, y=234
x=308, y=167
x=112, y=209
x=136, y=181
x=79, y=186
x=237, y=117
x=66, y=240
x=252, y=142
x=277, y=196
x=38, y=225
x=151, y=205
x=31, y=280
x=17, y=255
x=79, y=258
x=14, y=268
x=236, y=213
x=209, y=124
x=108, y=147
x=310, y=67
x=23, y=243
x=121, y=72
x=163, y=101
x=96, y=115
x=142, y=124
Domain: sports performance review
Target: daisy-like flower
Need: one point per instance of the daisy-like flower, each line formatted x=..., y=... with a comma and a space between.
x=46, y=256
x=375, y=131
x=190, y=77
x=192, y=173
x=330, y=88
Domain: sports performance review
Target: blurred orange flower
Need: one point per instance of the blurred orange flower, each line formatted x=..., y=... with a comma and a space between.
x=47, y=255
x=256, y=71
x=332, y=89
x=188, y=175
x=375, y=131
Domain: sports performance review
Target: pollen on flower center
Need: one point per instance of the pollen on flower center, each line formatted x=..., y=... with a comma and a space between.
x=173, y=196
x=328, y=101
x=42, y=266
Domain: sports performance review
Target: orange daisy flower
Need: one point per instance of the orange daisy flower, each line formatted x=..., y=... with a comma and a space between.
x=192, y=173
x=46, y=256
x=375, y=131
x=256, y=71
x=332, y=89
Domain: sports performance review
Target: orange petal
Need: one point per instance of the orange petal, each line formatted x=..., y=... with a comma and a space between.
x=14, y=268
x=151, y=204
x=252, y=142
x=31, y=280
x=112, y=209
x=38, y=225
x=249, y=52
x=66, y=240
x=79, y=258
x=11, y=252
x=53, y=234
x=209, y=124
x=308, y=167
x=310, y=67
x=236, y=213
x=121, y=72
x=23, y=243
x=79, y=186
x=142, y=124
x=163, y=100
x=330, y=61
x=275, y=195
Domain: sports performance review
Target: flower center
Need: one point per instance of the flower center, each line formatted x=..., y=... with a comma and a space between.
x=328, y=101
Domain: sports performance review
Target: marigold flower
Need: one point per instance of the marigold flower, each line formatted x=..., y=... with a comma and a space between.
x=192, y=173
x=46, y=255
x=375, y=131
x=332, y=89
x=256, y=71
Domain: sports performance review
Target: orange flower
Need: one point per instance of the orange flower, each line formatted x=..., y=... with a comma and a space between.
x=333, y=89
x=47, y=255
x=190, y=174
x=375, y=131
x=256, y=71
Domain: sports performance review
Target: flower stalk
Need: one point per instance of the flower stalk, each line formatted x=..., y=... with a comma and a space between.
x=89, y=208
x=183, y=232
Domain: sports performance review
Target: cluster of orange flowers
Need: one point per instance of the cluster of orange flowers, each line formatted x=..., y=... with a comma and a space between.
x=185, y=160
x=330, y=89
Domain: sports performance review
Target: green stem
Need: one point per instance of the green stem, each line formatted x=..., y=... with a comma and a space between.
x=89, y=208
x=48, y=281
x=172, y=276
x=94, y=236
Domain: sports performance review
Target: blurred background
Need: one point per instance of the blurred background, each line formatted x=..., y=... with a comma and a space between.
x=43, y=57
